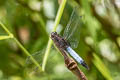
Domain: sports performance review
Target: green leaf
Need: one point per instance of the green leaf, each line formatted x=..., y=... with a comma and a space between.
x=101, y=67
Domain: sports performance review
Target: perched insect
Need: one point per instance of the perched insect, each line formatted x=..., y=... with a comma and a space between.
x=70, y=38
x=67, y=43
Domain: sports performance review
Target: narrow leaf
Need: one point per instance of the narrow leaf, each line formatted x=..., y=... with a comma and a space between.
x=101, y=67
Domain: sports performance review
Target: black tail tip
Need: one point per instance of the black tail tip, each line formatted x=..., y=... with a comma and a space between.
x=85, y=65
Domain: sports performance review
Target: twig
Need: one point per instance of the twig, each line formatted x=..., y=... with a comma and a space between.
x=72, y=65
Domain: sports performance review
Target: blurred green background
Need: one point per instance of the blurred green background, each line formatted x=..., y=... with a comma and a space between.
x=31, y=22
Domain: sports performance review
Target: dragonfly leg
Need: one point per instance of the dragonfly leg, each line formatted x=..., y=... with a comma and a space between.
x=70, y=63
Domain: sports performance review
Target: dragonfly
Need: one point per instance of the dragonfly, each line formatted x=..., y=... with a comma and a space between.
x=67, y=42
x=70, y=38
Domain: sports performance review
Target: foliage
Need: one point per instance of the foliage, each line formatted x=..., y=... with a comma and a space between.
x=25, y=26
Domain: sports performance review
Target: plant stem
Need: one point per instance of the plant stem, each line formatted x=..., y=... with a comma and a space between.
x=28, y=54
x=6, y=30
x=57, y=20
x=21, y=46
x=5, y=37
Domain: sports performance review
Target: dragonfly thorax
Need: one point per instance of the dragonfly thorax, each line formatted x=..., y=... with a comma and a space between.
x=59, y=41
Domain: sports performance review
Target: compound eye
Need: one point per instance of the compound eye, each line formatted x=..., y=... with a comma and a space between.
x=53, y=33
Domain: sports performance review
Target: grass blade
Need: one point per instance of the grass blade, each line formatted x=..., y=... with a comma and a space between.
x=101, y=67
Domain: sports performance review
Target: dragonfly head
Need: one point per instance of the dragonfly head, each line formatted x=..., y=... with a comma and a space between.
x=53, y=34
x=55, y=37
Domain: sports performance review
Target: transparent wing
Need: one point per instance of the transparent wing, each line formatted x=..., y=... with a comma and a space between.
x=72, y=30
x=38, y=56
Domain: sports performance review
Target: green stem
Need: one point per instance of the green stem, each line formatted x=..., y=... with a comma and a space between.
x=21, y=46
x=57, y=20
x=3, y=26
x=28, y=54
x=5, y=37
